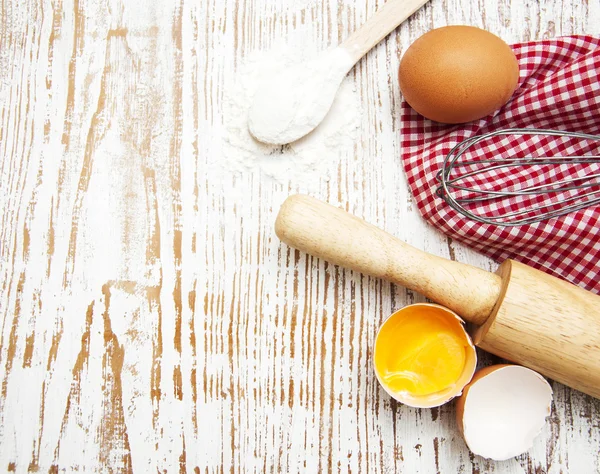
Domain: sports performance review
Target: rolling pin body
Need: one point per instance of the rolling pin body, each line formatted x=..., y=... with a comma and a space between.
x=546, y=324
x=524, y=315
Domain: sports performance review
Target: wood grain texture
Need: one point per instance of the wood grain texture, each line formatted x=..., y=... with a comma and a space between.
x=150, y=321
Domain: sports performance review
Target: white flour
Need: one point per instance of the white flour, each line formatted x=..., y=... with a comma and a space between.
x=291, y=104
x=300, y=163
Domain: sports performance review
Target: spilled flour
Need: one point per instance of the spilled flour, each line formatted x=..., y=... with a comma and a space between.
x=304, y=161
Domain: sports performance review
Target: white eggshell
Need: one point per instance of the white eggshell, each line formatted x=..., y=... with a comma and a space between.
x=502, y=410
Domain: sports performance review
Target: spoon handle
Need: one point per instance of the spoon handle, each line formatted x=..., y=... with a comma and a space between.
x=381, y=24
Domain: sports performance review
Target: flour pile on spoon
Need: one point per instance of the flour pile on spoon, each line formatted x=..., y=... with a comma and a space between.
x=289, y=105
x=304, y=161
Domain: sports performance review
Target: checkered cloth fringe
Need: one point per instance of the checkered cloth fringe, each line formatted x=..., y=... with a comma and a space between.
x=559, y=88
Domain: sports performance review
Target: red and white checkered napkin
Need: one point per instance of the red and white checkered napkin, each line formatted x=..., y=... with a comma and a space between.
x=559, y=88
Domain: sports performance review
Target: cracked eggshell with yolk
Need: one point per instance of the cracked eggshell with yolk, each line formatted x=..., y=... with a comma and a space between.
x=502, y=410
x=424, y=354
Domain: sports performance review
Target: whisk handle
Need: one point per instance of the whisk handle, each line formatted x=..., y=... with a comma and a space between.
x=330, y=233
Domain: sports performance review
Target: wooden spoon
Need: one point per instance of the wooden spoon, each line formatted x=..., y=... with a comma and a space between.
x=291, y=104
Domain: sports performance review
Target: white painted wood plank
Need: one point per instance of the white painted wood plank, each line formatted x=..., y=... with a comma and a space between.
x=151, y=321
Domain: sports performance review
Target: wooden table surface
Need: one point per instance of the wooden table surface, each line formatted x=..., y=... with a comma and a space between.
x=150, y=319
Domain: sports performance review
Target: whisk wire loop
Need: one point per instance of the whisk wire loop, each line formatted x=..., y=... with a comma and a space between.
x=514, y=191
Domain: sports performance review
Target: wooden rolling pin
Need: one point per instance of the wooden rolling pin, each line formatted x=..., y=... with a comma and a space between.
x=522, y=314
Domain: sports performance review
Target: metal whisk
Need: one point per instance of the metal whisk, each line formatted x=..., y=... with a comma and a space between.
x=516, y=190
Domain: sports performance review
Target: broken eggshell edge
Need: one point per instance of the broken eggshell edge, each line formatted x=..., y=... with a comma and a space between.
x=479, y=375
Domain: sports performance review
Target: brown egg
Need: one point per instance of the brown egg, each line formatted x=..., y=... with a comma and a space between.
x=456, y=74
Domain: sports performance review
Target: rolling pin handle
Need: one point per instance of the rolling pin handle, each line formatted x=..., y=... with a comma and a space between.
x=332, y=234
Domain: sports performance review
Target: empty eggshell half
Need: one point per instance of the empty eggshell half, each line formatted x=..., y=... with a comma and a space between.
x=502, y=410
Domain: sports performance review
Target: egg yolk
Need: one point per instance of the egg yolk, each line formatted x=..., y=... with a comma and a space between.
x=420, y=352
